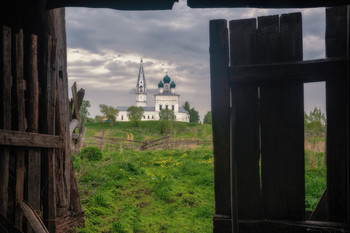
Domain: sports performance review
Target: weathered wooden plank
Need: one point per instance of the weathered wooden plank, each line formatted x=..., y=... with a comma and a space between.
x=26, y=139
x=5, y=112
x=266, y=226
x=34, y=155
x=245, y=3
x=20, y=108
x=304, y=71
x=48, y=159
x=282, y=159
x=245, y=121
x=220, y=105
x=75, y=102
x=337, y=107
x=33, y=218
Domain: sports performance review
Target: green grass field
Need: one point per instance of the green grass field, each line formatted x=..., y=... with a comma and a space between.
x=162, y=190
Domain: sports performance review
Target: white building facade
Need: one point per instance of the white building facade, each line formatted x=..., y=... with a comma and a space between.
x=166, y=98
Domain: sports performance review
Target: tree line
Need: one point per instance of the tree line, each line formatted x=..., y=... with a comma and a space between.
x=135, y=113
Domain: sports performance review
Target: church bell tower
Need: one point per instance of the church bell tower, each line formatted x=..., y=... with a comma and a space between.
x=141, y=95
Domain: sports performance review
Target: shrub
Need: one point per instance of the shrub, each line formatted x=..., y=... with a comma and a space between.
x=91, y=153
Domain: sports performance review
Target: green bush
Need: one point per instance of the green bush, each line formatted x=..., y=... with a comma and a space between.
x=92, y=153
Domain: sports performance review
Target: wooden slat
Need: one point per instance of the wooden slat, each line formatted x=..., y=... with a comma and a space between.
x=5, y=112
x=33, y=218
x=266, y=226
x=9, y=226
x=282, y=159
x=336, y=107
x=26, y=139
x=304, y=71
x=220, y=105
x=75, y=102
x=245, y=121
x=48, y=161
x=34, y=155
x=20, y=107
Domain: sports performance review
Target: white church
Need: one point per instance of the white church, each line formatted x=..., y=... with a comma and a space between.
x=166, y=98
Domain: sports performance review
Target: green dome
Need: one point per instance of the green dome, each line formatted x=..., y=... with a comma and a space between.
x=160, y=84
x=172, y=84
x=166, y=79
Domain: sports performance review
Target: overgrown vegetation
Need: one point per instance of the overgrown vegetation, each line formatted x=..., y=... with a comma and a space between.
x=164, y=190
x=149, y=191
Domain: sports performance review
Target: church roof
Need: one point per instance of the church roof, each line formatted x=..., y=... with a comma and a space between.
x=160, y=84
x=141, y=76
x=166, y=79
x=172, y=84
x=125, y=108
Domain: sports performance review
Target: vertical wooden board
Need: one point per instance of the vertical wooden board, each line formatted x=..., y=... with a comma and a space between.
x=48, y=155
x=268, y=39
x=291, y=37
x=337, y=107
x=282, y=128
x=245, y=125
x=34, y=155
x=220, y=106
x=5, y=112
x=19, y=109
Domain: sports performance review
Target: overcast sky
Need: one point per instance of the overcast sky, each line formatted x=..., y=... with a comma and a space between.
x=105, y=47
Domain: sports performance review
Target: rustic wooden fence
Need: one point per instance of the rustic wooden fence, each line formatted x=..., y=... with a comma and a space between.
x=35, y=167
x=166, y=142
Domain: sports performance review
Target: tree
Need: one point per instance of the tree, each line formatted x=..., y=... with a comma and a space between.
x=135, y=114
x=166, y=114
x=194, y=115
x=207, y=118
x=315, y=122
x=166, y=117
x=98, y=118
x=84, y=112
x=110, y=112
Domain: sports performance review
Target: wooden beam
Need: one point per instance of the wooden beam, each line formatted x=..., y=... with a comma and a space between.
x=263, y=4
x=270, y=226
x=220, y=105
x=34, y=154
x=5, y=112
x=336, y=108
x=26, y=139
x=304, y=71
x=245, y=149
x=20, y=108
x=48, y=160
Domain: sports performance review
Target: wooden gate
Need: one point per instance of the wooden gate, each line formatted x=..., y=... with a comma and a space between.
x=35, y=163
x=257, y=77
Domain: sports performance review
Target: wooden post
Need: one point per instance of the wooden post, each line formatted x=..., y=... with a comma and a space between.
x=48, y=159
x=76, y=113
x=34, y=155
x=220, y=105
x=101, y=142
x=20, y=153
x=337, y=113
x=245, y=121
x=5, y=112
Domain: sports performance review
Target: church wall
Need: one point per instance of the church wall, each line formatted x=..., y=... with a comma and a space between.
x=167, y=100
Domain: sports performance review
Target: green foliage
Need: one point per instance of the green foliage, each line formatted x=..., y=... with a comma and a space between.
x=91, y=153
x=84, y=112
x=98, y=118
x=166, y=114
x=110, y=112
x=194, y=115
x=207, y=118
x=135, y=114
x=315, y=123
